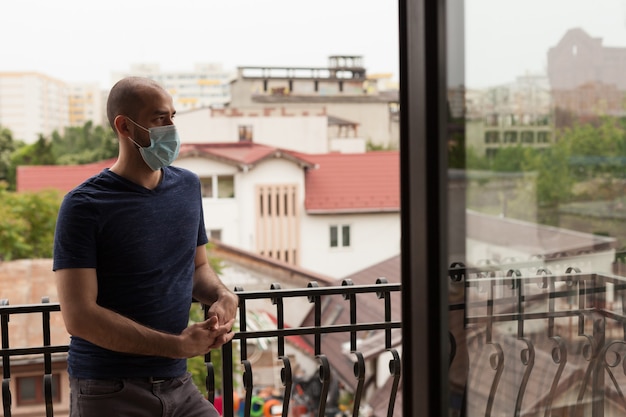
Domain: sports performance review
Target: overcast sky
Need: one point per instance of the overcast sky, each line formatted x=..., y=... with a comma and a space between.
x=78, y=40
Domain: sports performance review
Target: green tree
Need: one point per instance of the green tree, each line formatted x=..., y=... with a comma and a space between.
x=554, y=179
x=7, y=147
x=27, y=222
x=474, y=161
x=38, y=153
x=509, y=159
x=84, y=144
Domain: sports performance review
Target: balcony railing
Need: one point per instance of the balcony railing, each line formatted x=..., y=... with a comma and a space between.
x=529, y=342
x=315, y=296
x=523, y=342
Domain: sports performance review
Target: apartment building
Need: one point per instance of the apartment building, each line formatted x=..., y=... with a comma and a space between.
x=206, y=85
x=33, y=104
x=517, y=113
x=86, y=103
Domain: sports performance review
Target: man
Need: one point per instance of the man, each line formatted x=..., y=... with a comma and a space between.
x=129, y=255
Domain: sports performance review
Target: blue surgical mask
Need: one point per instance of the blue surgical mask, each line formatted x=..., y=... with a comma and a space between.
x=164, y=146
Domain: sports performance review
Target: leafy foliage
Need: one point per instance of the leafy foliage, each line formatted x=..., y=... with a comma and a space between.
x=581, y=153
x=27, y=222
x=7, y=147
x=78, y=145
x=85, y=144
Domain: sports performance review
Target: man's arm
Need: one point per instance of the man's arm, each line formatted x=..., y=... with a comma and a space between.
x=78, y=290
x=209, y=289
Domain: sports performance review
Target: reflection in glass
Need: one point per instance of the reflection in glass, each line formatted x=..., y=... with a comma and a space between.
x=538, y=161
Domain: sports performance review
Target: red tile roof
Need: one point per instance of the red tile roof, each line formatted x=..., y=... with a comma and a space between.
x=244, y=154
x=59, y=177
x=349, y=183
x=335, y=182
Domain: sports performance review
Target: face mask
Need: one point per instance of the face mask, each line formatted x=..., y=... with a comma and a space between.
x=164, y=146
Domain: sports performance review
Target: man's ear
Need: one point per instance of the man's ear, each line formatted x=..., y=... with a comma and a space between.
x=121, y=125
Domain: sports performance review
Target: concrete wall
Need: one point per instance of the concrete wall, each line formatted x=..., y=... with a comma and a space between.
x=374, y=237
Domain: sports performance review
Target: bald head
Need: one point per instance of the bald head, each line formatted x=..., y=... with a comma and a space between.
x=128, y=96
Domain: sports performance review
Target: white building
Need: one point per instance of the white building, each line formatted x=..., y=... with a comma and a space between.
x=309, y=130
x=206, y=85
x=330, y=213
x=33, y=104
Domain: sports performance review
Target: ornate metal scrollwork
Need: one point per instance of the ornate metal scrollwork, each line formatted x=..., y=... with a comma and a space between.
x=286, y=378
x=395, y=368
x=496, y=360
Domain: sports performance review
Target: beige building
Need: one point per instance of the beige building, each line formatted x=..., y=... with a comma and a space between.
x=33, y=104
x=86, y=103
x=343, y=89
x=206, y=85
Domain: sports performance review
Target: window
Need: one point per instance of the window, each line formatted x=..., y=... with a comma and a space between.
x=340, y=236
x=206, y=185
x=543, y=137
x=30, y=390
x=492, y=137
x=245, y=133
x=510, y=136
x=224, y=184
x=215, y=234
x=528, y=137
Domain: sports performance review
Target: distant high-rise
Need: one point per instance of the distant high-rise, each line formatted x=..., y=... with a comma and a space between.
x=586, y=78
x=86, y=104
x=580, y=59
x=33, y=104
x=207, y=85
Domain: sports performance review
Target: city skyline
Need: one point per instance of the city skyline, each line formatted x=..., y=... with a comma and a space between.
x=88, y=44
x=80, y=44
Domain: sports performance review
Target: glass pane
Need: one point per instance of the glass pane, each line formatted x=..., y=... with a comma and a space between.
x=225, y=186
x=207, y=187
x=537, y=99
x=334, y=238
x=345, y=236
x=27, y=388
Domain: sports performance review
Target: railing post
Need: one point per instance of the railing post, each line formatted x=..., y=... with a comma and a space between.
x=599, y=335
x=47, y=358
x=227, y=380
x=6, y=362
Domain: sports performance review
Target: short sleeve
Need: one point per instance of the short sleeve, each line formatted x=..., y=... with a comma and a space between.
x=75, y=234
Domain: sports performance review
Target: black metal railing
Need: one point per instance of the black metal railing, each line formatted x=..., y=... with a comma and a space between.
x=313, y=330
x=536, y=342
x=532, y=339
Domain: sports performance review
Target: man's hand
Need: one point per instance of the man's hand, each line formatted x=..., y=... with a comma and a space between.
x=225, y=308
x=199, y=338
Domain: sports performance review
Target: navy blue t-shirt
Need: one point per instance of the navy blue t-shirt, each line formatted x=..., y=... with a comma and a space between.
x=142, y=244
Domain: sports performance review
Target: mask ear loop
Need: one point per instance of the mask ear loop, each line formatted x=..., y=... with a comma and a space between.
x=138, y=125
x=136, y=144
